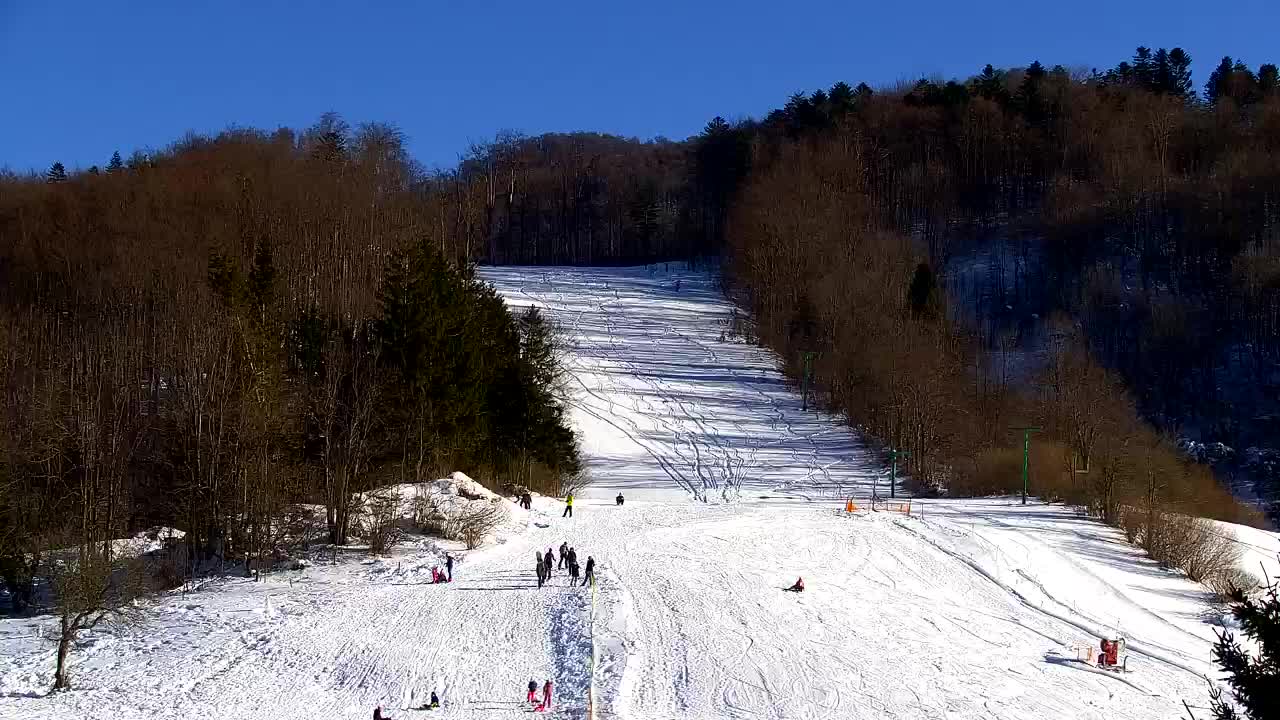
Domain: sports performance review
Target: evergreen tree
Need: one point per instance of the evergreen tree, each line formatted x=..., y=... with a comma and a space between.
x=57, y=173
x=116, y=164
x=1030, y=97
x=841, y=99
x=1254, y=680
x=1268, y=80
x=1179, y=73
x=1144, y=68
x=93, y=169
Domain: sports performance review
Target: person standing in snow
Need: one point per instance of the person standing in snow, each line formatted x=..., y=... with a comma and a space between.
x=590, y=575
x=573, y=572
x=448, y=565
x=533, y=691
x=573, y=556
x=564, y=554
x=542, y=570
x=546, y=695
x=551, y=562
x=618, y=499
x=568, y=506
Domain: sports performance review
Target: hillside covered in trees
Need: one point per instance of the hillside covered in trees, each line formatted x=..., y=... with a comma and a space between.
x=203, y=335
x=206, y=338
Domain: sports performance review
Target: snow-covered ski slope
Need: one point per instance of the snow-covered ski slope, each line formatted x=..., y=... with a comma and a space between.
x=970, y=612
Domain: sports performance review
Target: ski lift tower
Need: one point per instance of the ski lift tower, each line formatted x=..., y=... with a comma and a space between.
x=1026, y=452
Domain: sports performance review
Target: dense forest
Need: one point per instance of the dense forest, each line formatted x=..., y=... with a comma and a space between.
x=204, y=335
x=203, y=338
x=1032, y=248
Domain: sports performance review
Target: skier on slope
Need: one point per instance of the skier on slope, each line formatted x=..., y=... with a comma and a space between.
x=590, y=575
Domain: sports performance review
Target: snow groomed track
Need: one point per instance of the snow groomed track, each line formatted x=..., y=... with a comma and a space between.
x=732, y=491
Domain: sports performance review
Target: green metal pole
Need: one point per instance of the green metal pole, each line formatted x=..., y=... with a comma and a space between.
x=1026, y=448
x=893, y=477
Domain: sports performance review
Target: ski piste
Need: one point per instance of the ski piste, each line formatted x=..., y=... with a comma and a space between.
x=732, y=491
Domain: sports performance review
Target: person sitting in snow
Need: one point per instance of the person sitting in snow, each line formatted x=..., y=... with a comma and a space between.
x=618, y=499
x=435, y=575
x=798, y=587
x=435, y=701
x=533, y=691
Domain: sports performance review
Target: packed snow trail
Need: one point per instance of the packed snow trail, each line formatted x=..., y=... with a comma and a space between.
x=968, y=612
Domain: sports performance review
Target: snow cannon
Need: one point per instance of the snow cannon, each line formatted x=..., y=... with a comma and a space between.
x=1109, y=655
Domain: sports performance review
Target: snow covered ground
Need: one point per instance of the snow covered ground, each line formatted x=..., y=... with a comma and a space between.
x=969, y=612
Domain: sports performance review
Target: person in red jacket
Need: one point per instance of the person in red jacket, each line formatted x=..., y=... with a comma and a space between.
x=546, y=695
x=798, y=587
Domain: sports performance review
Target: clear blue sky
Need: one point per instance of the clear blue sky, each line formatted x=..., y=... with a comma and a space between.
x=80, y=78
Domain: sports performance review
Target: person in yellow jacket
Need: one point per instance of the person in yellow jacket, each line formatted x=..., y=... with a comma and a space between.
x=568, y=505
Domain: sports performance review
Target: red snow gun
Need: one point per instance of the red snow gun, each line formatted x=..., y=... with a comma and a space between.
x=1110, y=655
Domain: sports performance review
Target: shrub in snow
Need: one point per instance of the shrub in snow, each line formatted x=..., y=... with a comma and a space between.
x=459, y=508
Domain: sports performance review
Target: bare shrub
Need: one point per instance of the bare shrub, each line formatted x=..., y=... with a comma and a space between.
x=469, y=523
x=1192, y=545
x=380, y=520
x=91, y=589
x=1225, y=583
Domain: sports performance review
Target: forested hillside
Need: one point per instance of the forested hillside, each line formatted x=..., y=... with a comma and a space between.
x=205, y=337
x=205, y=334
x=1031, y=247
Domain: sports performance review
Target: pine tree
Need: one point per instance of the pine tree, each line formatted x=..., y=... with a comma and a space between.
x=116, y=164
x=1179, y=73
x=841, y=99
x=1144, y=69
x=1254, y=680
x=57, y=173
x=1268, y=80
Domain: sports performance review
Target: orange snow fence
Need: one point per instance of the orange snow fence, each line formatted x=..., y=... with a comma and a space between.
x=898, y=507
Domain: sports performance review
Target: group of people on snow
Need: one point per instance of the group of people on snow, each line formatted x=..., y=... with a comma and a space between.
x=446, y=575
x=546, y=564
x=532, y=697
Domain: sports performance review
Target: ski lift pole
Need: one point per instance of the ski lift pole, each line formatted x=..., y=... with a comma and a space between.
x=1026, y=454
x=893, y=473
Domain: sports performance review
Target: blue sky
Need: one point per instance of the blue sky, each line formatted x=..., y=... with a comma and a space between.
x=80, y=78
